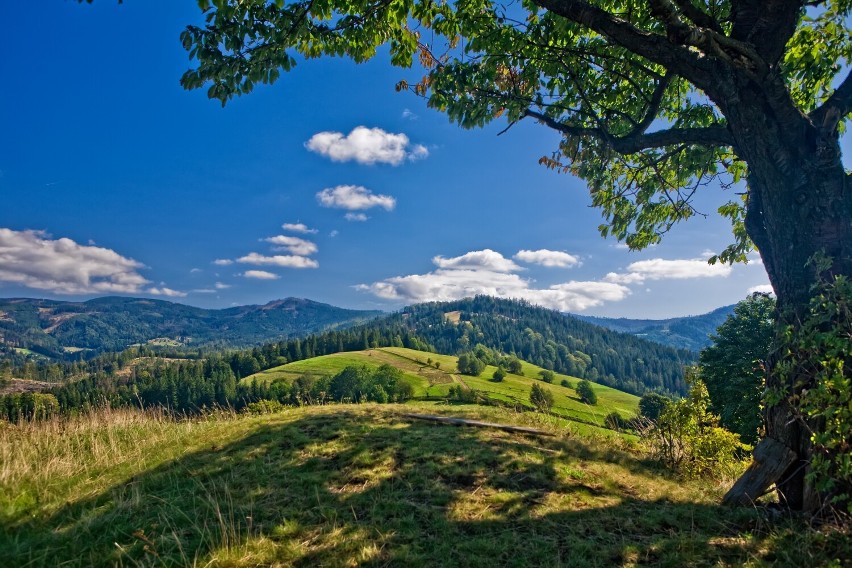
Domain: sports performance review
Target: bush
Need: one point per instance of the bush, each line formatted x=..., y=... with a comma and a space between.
x=615, y=421
x=688, y=439
x=471, y=365
x=652, y=404
x=264, y=407
x=541, y=398
x=498, y=375
x=566, y=383
x=547, y=375
x=467, y=396
x=586, y=392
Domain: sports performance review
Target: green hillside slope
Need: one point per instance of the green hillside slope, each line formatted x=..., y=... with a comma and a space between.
x=419, y=369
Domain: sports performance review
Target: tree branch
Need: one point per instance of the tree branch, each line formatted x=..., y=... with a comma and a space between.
x=653, y=47
x=698, y=17
x=636, y=142
x=765, y=24
x=828, y=115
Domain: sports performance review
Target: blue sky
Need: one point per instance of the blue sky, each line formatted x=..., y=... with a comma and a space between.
x=113, y=179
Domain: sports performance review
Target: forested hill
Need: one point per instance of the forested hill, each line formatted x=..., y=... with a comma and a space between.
x=546, y=338
x=690, y=332
x=63, y=329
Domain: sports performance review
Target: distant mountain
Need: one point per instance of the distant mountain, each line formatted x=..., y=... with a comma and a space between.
x=63, y=329
x=690, y=332
x=541, y=336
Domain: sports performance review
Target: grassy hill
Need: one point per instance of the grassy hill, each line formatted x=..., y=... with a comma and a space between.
x=360, y=485
x=419, y=370
x=64, y=330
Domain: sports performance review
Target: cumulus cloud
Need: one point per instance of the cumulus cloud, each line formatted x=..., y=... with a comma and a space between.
x=357, y=217
x=221, y=286
x=293, y=245
x=163, y=291
x=260, y=275
x=354, y=198
x=490, y=273
x=366, y=146
x=762, y=288
x=33, y=259
x=661, y=269
x=478, y=260
x=549, y=258
x=446, y=285
x=223, y=262
x=285, y=261
x=298, y=228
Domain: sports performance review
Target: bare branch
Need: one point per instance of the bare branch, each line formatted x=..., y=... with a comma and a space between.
x=636, y=142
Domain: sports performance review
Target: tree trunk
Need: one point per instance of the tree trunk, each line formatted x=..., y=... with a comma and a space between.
x=799, y=205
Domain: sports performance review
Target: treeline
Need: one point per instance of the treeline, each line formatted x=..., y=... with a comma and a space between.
x=548, y=339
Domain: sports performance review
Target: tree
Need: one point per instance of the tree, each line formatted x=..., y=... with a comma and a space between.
x=652, y=404
x=541, y=398
x=499, y=375
x=586, y=392
x=547, y=375
x=654, y=101
x=734, y=366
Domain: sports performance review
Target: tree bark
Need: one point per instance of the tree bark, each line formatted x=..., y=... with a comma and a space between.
x=799, y=205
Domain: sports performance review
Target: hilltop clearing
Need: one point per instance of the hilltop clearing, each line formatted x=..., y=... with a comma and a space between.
x=352, y=485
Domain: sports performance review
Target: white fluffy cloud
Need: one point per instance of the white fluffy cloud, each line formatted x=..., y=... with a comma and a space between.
x=661, y=269
x=34, y=260
x=221, y=286
x=549, y=258
x=293, y=245
x=354, y=198
x=356, y=217
x=285, y=261
x=163, y=291
x=260, y=275
x=366, y=146
x=223, y=262
x=488, y=272
x=478, y=260
x=298, y=228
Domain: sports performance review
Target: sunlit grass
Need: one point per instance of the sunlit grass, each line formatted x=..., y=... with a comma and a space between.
x=360, y=485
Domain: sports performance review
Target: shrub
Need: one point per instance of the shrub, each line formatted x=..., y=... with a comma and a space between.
x=498, y=375
x=586, y=392
x=547, y=375
x=652, y=404
x=541, y=398
x=688, y=439
x=615, y=421
x=264, y=407
x=566, y=383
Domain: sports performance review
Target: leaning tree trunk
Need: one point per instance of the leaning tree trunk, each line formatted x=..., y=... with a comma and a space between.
x=799, y=205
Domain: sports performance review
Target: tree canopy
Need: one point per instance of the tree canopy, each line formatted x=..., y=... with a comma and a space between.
x=655, y=101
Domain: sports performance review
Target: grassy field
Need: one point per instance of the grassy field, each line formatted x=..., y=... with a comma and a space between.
x=362, y=486
x=420, y=371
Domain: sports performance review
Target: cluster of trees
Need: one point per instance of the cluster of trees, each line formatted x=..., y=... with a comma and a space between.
x=548, y=339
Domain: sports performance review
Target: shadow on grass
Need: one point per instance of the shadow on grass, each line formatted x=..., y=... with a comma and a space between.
x=347, y=488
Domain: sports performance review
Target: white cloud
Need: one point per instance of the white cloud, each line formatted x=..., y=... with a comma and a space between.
x=298, y=228
x=357, y=217
x=163, y=291
x=203, y=291
x=194, y=270
x=293, y=245
x=286, y=261
x=34, y=260
x=221, y=286
x=762, y=288
x=366, y=146
x=354, y=198
x=446, y=285
x=549, y=258
x=223, y=262
x=408, y=114
x=478, y=260
x=260, y=275
x=489, y=272
x=661, y=269
x=334, y=233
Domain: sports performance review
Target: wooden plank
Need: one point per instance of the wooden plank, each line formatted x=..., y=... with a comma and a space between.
x=479, y=424
x=771, y=460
